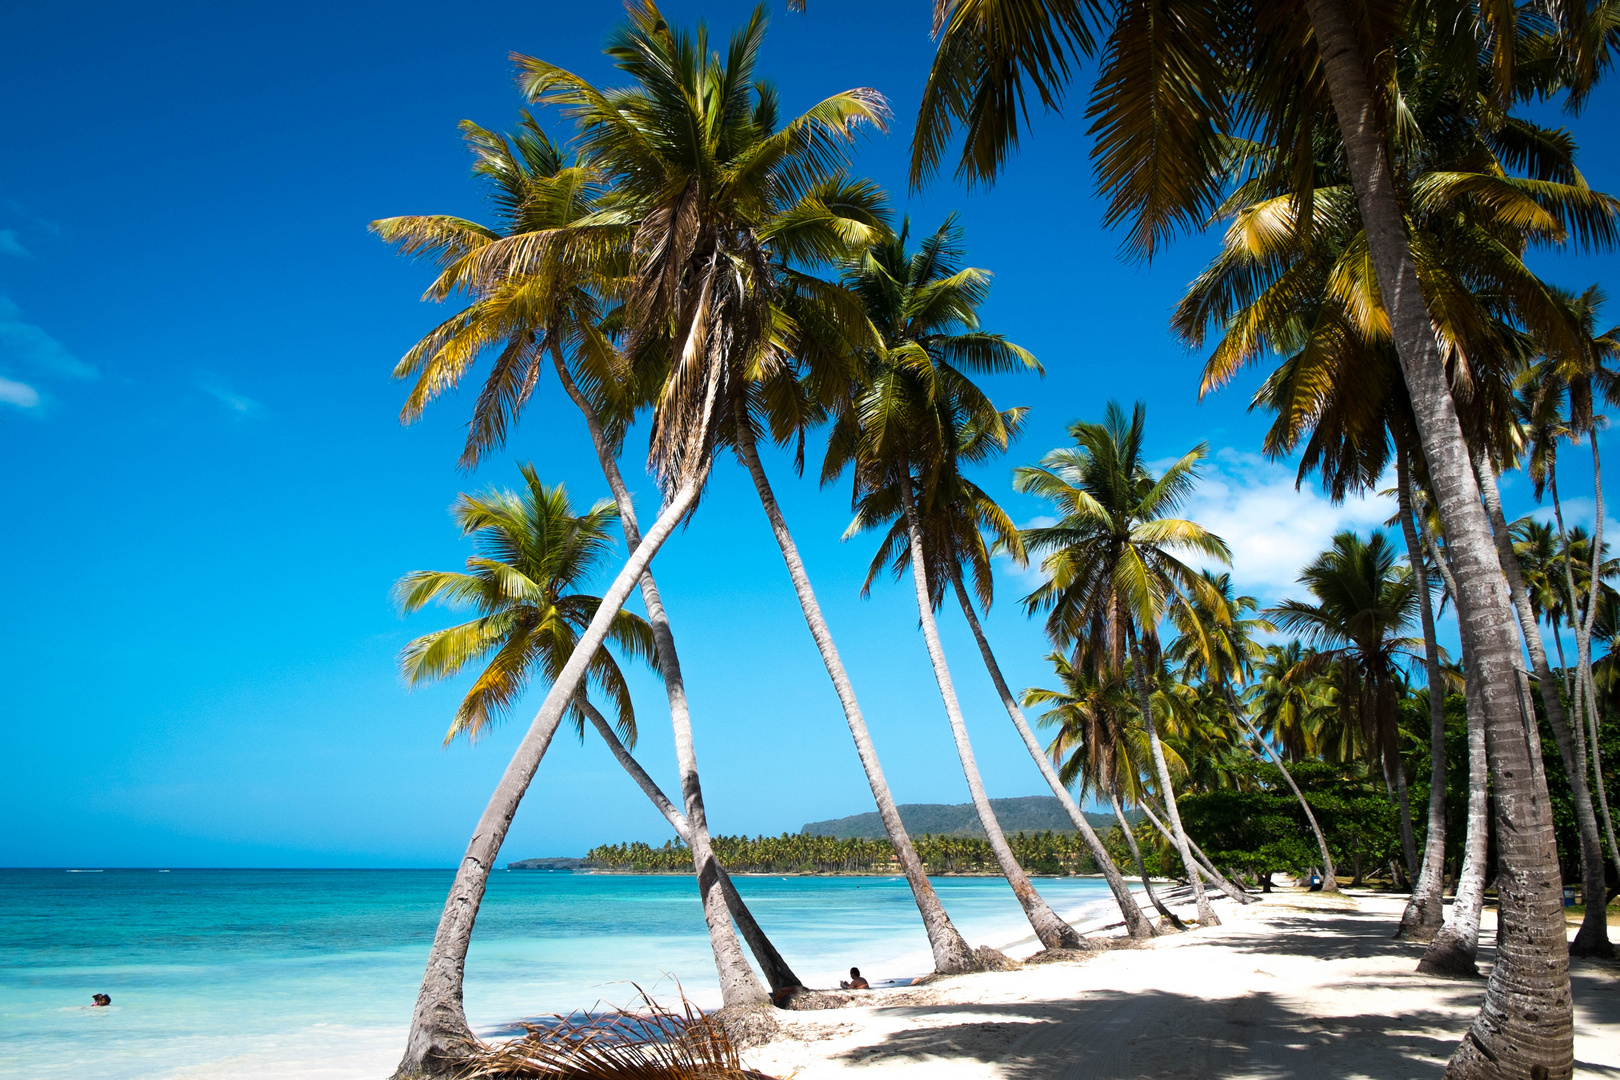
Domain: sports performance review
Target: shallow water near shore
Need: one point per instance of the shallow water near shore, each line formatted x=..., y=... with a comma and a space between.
x=248, y=974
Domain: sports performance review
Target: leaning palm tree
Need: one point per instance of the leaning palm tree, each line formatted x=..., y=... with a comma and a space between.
x=721, y=210
x=1216, y=646
x=1089, y=711
x=915, y=420
x=525, y=320
x=1112, y=562
x=1170, y=93
x=532, y=551
x=704, y=189
x=1363, y=603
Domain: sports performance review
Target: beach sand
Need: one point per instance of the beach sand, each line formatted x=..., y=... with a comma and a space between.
x=1302, y=985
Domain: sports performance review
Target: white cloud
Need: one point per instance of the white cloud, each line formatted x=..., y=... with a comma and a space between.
x=1581, y=511
x=20, y=394
x=236, y=404
x=22, y=344
x=11, y=243
x=1272, y=529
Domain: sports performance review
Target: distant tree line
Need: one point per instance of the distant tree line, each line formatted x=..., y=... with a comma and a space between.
x=795, y=853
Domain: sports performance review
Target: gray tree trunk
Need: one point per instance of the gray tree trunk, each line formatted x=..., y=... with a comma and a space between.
x=1593, y=937
x=951, y=952
x=439, y=1034
x=1135, y=923
x=1584, y=642
x=776, y=969
x=738, y=986
x=1206, y=866
x=1425, y=911
x=1206, y=913
x=1455, y=946
x=1527, y=1017
x=1141, y=864
x=1051, y=931
x=1330, y=873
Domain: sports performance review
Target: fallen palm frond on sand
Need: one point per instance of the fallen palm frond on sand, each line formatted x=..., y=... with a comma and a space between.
x=654, y=1043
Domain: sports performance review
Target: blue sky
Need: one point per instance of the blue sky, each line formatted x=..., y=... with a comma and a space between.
x=207, y=493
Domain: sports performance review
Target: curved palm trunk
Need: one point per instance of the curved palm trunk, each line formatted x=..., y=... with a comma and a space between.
x=1586, y=640
x=1425, y=911
x=1141, y=866
x=1527, y=1018
x=951, y=952
x=439, y=1034
x=1206, y=914
x=737, y=982
x=1456, y=944
x=1395, y=775
x=1330, y=873
x=1051, y=931
x=776, y=970
x=1206, y=866
x=1136, y=924
x=1593, y=937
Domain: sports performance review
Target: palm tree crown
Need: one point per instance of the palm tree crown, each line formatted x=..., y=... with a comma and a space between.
x=532, y=551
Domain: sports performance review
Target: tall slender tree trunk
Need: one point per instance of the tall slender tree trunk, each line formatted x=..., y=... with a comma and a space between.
x=1206, y=866
x=1584, y=644
x=1527, y=1017
x=738, y=986
x=1594, y=717
x=1593, y=937
x=1425, y=911
x=1456, y=944
x=776, y=969
x=1135, y=923
x=439, y=1034
x=1206, y=913
x=951, y=952
x=1204, y=862
x=1330, y=878
x=1141, y=864
x=1051, y=931
x=1396, y=774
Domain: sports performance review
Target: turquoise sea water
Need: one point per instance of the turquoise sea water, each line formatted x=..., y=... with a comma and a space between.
x=220, y=974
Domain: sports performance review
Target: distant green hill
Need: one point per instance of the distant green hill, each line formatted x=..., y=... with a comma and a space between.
x=1033, y=813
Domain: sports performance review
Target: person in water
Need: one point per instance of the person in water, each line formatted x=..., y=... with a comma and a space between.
x=855, y=981
x=98, y=1000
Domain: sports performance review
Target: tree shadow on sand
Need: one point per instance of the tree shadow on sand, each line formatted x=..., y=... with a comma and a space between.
x=1168, y=1036
x=1157, y=1034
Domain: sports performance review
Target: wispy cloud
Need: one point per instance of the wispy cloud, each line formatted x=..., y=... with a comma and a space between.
x=1272, y=529
x=19, y=394
x=235, y=404
x=29, y=350
x=11, y=243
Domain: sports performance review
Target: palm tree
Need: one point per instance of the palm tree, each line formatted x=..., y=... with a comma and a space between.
x=703, y=187
x=532, y=550
x=1579, y=373
x=1090, y=713
x=1363, y=602
x=720, y=208
x=1169, y=93
x=536, y=189
x=917, y=417
x=1216, y=646
x=1112, y=565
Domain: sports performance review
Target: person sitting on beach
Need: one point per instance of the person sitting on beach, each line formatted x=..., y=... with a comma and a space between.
x=855, y=981
x=98, y=1000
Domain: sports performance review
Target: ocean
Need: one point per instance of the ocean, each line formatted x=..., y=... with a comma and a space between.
x=311, y=974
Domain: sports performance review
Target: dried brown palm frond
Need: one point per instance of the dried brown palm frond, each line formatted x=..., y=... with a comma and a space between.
x=654, y=1043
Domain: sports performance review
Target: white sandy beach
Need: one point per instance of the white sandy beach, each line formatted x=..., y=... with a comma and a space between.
x=1301, y=986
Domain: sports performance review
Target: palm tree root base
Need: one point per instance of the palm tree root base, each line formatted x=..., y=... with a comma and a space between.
x=1592, y=941
x=1419, y=933
x=747, y=1024
x=1449, y=957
